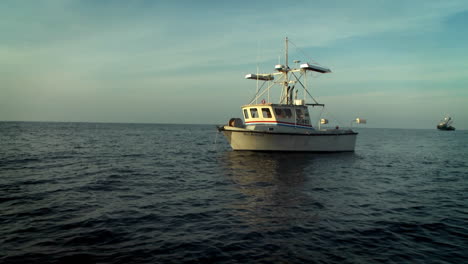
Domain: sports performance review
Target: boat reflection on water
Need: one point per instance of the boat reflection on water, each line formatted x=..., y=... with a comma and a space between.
x=271, y=186
x=281, y=168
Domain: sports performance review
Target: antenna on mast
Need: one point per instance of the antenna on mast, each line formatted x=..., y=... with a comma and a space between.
x=286, y=53
x=286, y=75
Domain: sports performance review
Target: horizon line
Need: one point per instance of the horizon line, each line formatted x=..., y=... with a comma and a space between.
x=205, y=124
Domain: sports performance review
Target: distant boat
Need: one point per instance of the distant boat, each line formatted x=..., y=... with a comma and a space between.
x=446, y=124
x=286, y=125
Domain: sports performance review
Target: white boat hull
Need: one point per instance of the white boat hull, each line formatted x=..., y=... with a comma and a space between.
x=316, y=141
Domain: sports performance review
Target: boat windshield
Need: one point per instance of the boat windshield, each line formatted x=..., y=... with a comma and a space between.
x=266, y=113
x=253, y=112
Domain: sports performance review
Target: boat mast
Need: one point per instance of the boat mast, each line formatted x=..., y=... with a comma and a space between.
x=286, y=52
x=286, y=72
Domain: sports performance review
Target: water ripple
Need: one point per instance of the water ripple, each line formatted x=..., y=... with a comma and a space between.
x=131, y=193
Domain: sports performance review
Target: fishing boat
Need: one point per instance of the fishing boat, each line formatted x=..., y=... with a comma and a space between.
x=286, y=125
x=446, y=124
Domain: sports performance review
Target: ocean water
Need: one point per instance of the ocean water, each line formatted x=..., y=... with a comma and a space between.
x=155, y=193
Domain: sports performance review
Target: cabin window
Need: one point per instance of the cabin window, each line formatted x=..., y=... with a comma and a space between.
x=266, y=113
x=254, y=112
x=299, y=113
x=283, y=112
x=246, y=114
x=279, y=112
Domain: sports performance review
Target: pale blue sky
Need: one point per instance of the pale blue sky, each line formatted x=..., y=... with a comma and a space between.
x=396, y=63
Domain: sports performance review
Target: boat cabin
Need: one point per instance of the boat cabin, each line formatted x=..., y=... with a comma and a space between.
x=277, y=117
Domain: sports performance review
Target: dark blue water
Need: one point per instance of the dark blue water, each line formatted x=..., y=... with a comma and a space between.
x=136, y=193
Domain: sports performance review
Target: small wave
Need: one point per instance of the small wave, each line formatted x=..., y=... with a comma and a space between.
x=94, y=194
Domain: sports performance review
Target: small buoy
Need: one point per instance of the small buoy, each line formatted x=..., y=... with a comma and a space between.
x=337, y=127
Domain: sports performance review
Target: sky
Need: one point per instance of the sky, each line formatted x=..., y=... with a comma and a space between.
x=398, y=64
